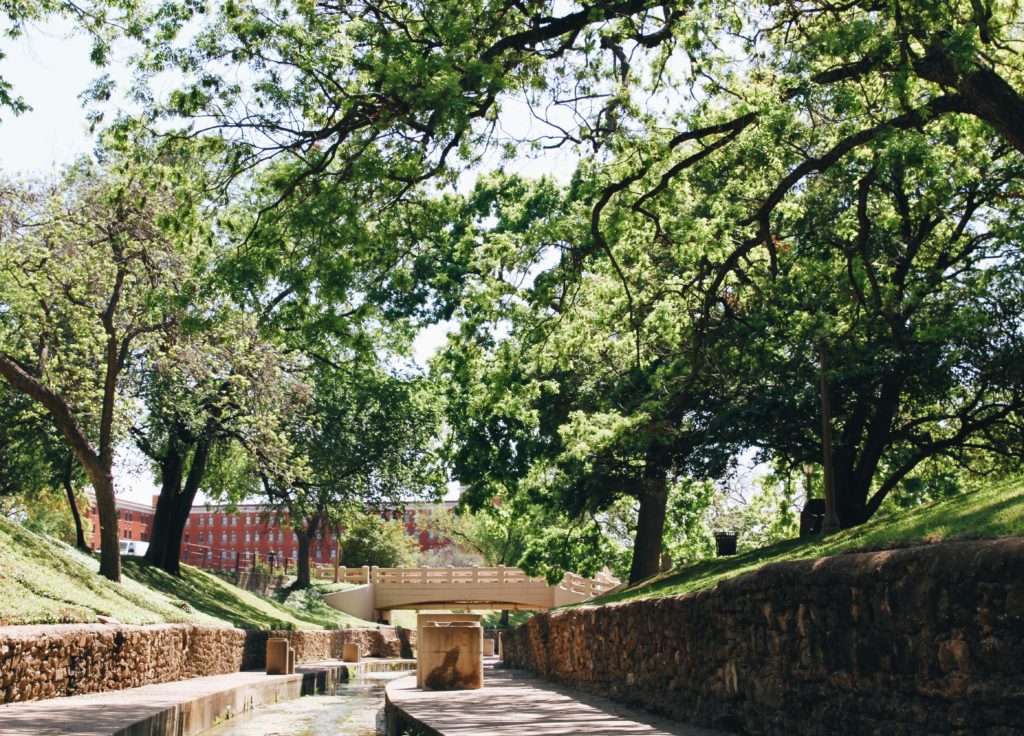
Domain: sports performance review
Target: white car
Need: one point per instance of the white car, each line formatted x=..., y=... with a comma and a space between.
x=133, y=549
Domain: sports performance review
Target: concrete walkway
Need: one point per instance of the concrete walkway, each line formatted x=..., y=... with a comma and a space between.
x=183, y=708
x=515, y=703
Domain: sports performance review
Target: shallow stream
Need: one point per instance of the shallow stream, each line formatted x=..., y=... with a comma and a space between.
x=351, y=709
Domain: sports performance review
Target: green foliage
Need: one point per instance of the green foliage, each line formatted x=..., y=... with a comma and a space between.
x=688, y=535
x=47, y=513
x=765, y=515
x=369, y=540
x=309, y=604
x=758, y=187
x=993, y=511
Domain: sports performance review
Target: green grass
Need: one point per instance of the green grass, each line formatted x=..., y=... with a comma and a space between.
x=992, y=512
x=233, y=605
x=46, y=581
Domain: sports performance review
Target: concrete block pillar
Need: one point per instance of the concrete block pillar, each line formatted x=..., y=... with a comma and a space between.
x=350, y=652
x=277, y=656
x=291, y=661
x=451, y=656
x=488, y=647
x=423, y=618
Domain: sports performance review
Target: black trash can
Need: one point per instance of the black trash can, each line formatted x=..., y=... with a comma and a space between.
x=725, y=543
x=812, y=517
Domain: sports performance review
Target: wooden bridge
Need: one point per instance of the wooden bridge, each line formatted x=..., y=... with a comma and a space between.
x=383, y=589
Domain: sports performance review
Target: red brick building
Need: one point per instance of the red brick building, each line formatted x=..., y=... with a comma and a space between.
x=134, y=521
x=215, y=537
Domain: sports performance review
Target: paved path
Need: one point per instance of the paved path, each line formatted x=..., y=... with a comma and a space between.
x=184, y=707
x=515, y=703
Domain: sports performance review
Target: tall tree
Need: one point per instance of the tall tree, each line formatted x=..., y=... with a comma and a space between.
x=906, y=267
x=212, y=383
x=589, y=388
x=366, y=439
x=87, y=276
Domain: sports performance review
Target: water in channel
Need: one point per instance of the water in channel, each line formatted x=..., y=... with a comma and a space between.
x=351, y=709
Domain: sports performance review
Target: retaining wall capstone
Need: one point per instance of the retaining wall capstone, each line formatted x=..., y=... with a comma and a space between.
x=921, y=640
x=39, y=662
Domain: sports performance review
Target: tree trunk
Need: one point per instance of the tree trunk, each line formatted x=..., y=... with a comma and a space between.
x=69, y=489
x=650, y=525
x=180, y=511
x=303, y=579
x=171, y=468
x=97, y=465
x=106, y=504
x=504, y=618
x=183, y=503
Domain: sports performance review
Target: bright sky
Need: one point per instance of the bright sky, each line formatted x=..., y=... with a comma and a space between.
x=49, y=70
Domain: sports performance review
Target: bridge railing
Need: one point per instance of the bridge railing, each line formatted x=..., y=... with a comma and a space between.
x=589, y=587
x=468, y=575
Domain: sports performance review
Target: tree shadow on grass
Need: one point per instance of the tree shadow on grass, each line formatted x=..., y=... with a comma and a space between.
x=207, y=594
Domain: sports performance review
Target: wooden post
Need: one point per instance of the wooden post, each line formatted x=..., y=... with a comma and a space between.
x=831, y=522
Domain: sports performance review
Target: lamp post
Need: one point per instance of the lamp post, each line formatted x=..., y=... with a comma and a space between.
x=831, y=522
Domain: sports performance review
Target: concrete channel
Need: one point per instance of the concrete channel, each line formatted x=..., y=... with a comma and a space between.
x=182, y=708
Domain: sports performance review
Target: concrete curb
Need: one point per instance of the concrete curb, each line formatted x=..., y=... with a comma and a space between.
x=182, y=708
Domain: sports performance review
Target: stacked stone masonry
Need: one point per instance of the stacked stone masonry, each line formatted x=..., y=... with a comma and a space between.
x=52, y=661
x=922, y=640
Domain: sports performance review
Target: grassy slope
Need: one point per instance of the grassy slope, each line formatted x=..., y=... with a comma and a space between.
x=994, y=511
x=43, y=581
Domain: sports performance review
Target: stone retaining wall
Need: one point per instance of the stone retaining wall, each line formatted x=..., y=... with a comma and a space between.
x=51, y=661
x=923, y=640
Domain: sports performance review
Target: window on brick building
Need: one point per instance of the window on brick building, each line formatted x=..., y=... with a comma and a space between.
x=202, y=521
x=318, y=553
x=248, y=537
x=223, y=537
x=234, y=537
x=257, y=536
